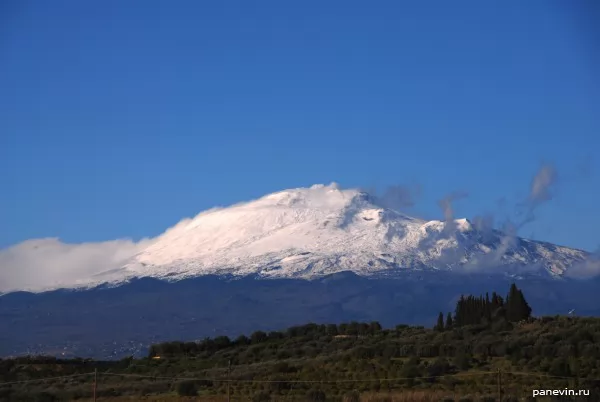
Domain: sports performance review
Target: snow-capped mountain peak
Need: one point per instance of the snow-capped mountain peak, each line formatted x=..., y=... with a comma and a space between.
x=323, y=229
x=295, y=233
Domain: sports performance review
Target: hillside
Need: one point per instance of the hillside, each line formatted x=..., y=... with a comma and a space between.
x=336, y=362
x=146, y=311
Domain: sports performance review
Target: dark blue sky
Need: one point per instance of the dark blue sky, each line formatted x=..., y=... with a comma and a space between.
x=117, y=119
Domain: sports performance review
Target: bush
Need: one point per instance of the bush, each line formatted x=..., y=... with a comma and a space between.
x=316, y=395
x=282, y=367
x=439, y=367
x=462, y=361
x=44, y=397
x=187, y=388
x=352, y=396
x=261, y=397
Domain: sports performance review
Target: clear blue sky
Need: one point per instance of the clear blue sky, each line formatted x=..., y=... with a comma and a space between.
x=117, y=119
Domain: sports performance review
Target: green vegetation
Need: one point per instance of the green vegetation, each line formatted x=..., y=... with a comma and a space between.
x=489, y=344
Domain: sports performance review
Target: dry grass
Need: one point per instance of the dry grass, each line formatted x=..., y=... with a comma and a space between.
x=407, y=396
x=163, y=398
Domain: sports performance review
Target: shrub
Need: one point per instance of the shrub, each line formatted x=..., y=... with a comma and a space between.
x=44, y=397
x=261, y=397
x=316, y=395
x=187, y=388
x=282, y=367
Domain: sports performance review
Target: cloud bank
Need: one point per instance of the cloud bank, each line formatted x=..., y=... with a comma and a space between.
x=41, y=264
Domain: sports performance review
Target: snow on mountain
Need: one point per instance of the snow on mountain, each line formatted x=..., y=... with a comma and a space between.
x=310, y=232
x=297, y=233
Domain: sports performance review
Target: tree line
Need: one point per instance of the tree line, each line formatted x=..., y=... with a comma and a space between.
x=470, y=310
x=213, y=345
x=495, y=310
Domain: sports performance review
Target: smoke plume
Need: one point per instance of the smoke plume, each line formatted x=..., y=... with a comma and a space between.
x=398, y=197
x=446, y=204
x=541, y=191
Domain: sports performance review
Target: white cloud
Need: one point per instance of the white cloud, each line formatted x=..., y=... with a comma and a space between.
x=46, y=264
x=42, y=264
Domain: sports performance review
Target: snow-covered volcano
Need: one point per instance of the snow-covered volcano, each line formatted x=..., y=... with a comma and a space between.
x=297, y=233
x=310, y=232
x=292, y=235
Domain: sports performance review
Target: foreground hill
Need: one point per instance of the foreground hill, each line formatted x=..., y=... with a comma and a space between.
x=115, y=322
x=340, y=362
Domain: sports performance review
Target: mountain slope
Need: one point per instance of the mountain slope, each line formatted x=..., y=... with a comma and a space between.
x=310, y=232
x=117, y=321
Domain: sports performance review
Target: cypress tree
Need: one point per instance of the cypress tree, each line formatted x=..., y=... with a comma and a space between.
x=472, y=310
x=460, y=311
x=517, y=308
x=440, y=322
x=511, y=303
x=524, y=306
x=487, y=309
x=449, y=322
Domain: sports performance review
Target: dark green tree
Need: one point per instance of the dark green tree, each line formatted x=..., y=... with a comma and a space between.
x=258, y=337
x=517, y=308
x=440, y=323
x=374, y=327
x=473, y=310
x=242, y=340
x=222, y=342
x=449, y=323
